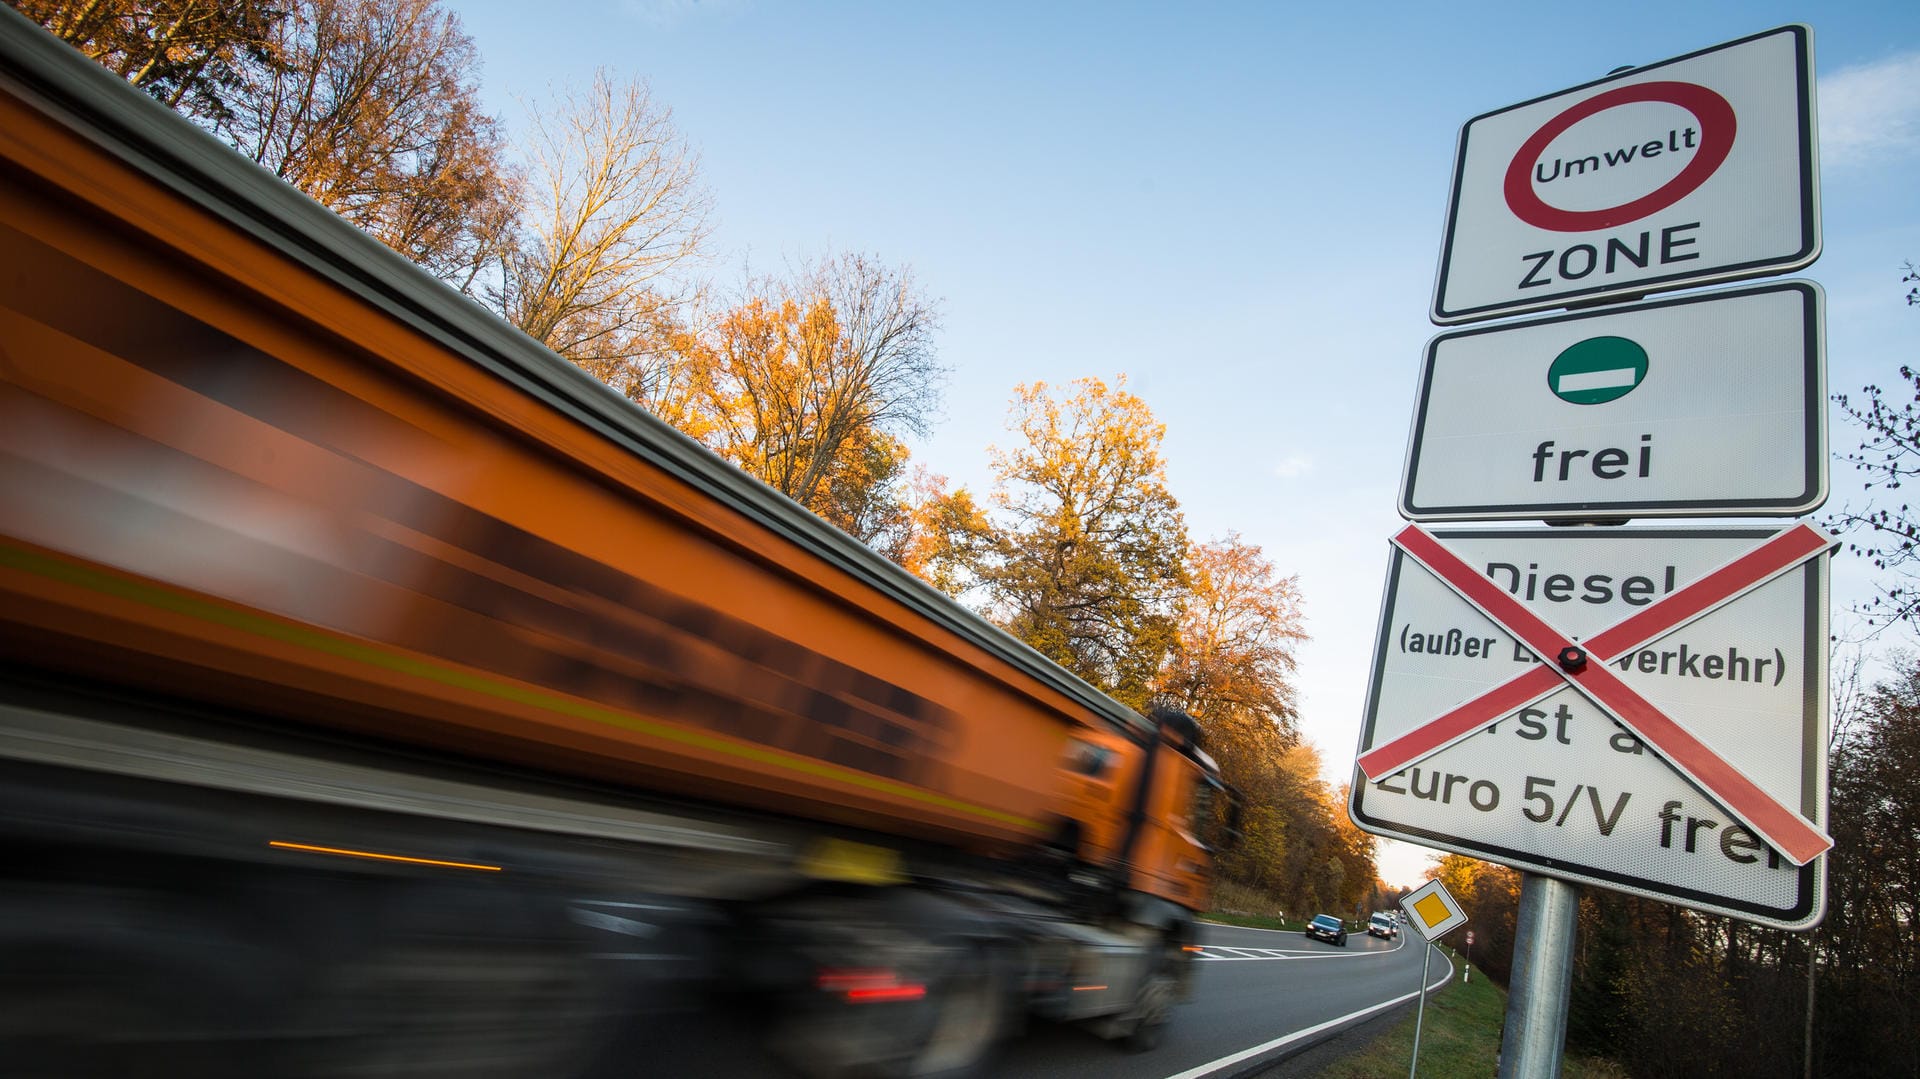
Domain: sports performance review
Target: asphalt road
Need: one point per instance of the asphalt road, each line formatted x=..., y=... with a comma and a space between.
x=1259, y=996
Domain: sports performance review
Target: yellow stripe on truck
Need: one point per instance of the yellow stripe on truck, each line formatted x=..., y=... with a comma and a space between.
x=163, y=598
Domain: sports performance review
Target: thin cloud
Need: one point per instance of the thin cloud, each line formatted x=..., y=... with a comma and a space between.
x=1870, y=114
x=1293, y=466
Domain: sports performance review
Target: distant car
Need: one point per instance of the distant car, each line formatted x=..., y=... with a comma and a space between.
x=1381, y=925
x=1328, y=928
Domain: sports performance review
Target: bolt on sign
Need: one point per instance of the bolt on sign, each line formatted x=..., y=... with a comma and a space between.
x=1640, y=709
x=1696, y=169
x=1433, y=910
x=1710, y=404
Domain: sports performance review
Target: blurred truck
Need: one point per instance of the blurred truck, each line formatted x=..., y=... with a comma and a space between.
x=381, y=695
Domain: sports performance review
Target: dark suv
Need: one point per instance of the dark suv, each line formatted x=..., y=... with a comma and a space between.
x=1328, y=928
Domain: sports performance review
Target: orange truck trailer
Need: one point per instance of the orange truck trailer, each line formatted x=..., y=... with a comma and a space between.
x=381, y=695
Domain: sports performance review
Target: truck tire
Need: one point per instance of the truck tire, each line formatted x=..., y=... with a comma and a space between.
x=949, y=1033
x=970, y=1018
x=1153, y=1008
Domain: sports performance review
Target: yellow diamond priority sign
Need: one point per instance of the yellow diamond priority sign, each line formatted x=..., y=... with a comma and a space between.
x=1433, y=910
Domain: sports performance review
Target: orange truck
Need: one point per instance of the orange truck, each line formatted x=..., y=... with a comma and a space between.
x=380, y=695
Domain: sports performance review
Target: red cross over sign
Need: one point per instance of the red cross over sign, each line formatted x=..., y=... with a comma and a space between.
x=1643, y=709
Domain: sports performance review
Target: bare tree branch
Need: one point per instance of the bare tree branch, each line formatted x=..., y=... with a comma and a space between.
x=372, y=110
x=614, y=207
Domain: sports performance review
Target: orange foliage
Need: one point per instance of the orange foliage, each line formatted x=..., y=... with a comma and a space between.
x=1089, y=569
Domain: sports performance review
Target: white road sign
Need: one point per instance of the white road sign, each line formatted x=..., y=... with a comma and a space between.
x=1696, y=169
x=1712, y=404
x=1639, y=709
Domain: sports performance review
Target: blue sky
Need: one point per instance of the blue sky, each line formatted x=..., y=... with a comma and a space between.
x=1238, y=207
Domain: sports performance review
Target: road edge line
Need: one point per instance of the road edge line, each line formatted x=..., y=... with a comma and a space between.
x=1284, y=1040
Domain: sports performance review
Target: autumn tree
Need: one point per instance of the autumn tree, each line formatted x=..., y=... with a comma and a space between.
x=1232, y=664
x=1233, y=657
x=1329, y=859
x=1237, y=633
x=1298, y=846
x=1490, y=895
x=1284, y=833
x=942, y=535
x=860, y=493
x=190, y=54
x=1355, y=850
x=1872, y=931
x=811, y=381
x=1089, y=567
x=372, y=108
x=613, y=205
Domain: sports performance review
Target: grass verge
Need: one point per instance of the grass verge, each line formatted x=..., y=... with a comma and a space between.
x=1459, y=1038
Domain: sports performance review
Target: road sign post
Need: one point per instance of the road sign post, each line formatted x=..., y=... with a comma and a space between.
x=1420, y=1014
x=1433, y=912
x=1542, y=980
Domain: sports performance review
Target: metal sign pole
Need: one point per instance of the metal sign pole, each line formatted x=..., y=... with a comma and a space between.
x=1420, y=1016
x=1542, y=982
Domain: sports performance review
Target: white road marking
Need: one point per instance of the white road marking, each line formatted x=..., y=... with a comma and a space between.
x=1243, y=951
x=1267, y=1047
x=1305, y=951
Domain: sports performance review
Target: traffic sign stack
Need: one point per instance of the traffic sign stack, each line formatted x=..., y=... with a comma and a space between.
x=1638, y=709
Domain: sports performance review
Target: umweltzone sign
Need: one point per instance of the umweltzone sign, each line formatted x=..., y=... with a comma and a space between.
x=1696, y=169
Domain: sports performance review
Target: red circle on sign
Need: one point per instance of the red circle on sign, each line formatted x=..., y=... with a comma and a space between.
x=1717, y=126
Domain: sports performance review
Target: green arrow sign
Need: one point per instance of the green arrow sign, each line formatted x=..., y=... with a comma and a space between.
x=1597, y=370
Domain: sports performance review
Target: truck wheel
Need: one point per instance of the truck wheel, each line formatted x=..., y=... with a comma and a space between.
x=948, y=1033
x=1154, y=1008
x=970, y=1015
x=1152, y=1011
